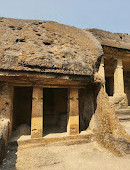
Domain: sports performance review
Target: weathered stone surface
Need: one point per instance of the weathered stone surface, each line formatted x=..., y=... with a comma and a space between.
x=5, y=117
x=5, y=100
x=4, y=136
x=37, y=113
x=44, y=46
x=118, y=40
x=118, y=77
x=49, y=47
x=6, y=103
x=119, y=101
x=73, y=112
x=106, y=126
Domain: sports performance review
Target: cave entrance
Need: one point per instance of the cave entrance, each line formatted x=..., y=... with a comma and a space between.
x=109, y=85
x=55, y=110
x=86, y=107
x=22, y=107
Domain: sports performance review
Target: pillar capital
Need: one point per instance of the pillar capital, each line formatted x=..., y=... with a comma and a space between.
x=118, y=63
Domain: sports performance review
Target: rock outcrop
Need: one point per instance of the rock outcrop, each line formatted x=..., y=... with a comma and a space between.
x=106, y=126
x=118, y=40
x=44, y=46
x=4, y=136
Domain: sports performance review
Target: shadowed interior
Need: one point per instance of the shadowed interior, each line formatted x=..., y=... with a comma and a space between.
x=54, y=110
x=22, y=106
x=86, y=107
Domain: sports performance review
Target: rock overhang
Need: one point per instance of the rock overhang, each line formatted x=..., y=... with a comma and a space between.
x=109, y=39
x=47, y=47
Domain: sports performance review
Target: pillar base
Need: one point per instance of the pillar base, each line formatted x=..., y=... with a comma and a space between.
x=73, y=125
x=37, y=128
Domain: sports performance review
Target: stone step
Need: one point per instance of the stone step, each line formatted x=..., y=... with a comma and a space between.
x=84, y=137
x=123, y=114
x=123, y=111
x=124, y=117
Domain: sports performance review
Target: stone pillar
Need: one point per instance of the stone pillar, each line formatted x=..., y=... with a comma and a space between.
x=73, y=112
x=118, y=77
x=37, y=113
x=101, y=71
x=119, y=98
x=101, y=68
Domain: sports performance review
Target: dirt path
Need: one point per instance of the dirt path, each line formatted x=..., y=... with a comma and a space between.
x=60, y=157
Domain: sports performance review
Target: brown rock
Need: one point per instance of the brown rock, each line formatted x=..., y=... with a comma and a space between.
x=44, y=46
x=106, y=126
x=118, y=40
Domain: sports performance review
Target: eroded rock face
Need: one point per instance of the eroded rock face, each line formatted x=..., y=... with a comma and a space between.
x=118, y=40
x=6, y=96
x=47, y=47
x=106, y=126
x=119, y=101
x=4, y=136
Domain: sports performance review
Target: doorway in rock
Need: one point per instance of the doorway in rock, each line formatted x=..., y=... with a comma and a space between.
x=86, y=107
x=22, y=108
x=54, y=110
x=109, y=85
x=109, y=66
x=127, y=85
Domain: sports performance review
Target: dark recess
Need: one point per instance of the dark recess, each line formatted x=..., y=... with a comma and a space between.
x=46, y=43
x=20, y=40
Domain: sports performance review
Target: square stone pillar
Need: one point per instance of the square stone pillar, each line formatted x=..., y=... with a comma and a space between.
x=101, y=71
x=120, y=98
x=73, y=112
x=37, y=113
x=118, y=77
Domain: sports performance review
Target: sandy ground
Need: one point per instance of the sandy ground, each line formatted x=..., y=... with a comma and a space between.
x=62, y=157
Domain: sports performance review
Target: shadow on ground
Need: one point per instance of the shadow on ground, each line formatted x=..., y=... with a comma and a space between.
x=9, y=163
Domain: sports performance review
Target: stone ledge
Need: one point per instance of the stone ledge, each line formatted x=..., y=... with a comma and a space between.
x=66, y=140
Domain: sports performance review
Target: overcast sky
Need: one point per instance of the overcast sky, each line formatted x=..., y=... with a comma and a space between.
x=110, y=15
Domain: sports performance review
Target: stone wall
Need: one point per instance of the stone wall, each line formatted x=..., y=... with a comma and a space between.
x=6, y=102
x=6, y=106
x=4, y=136
x=106, y=126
